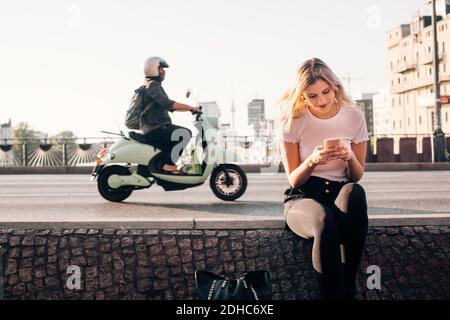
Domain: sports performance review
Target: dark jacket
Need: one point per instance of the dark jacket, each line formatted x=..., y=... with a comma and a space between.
x=157, y=106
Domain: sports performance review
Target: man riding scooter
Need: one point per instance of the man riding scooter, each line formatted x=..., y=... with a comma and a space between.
x=138, y=161
x=156, y=123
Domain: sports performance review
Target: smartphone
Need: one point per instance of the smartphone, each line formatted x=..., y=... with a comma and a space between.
x=331, y=143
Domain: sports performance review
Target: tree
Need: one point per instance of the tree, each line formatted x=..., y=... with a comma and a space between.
x=66, y=134
x=24, y=131
x=65, y=139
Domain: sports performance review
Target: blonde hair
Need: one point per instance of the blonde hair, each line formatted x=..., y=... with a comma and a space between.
x=293, y=103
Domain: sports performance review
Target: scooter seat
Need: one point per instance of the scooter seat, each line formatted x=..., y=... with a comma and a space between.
x=137, y=136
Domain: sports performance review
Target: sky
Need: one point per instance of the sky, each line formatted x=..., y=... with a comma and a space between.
x=73, y=65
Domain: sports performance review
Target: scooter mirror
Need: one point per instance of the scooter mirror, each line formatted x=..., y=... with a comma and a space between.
x=188, y=93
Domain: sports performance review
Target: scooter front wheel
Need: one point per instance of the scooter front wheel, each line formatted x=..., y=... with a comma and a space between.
x=114, y=195
x=228, y=182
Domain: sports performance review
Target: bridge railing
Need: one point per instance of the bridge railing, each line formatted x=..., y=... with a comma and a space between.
x=263, y=149
x=51, y=152
x=82, y=151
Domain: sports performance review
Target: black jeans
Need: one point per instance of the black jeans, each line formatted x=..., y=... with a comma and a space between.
x=170, y=139
x=344, y=208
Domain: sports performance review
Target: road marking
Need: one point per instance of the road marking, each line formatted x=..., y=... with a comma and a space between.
x=54, y=183
x=48, y=194
x=91, y=194
x=409, y=216
x=406, y=190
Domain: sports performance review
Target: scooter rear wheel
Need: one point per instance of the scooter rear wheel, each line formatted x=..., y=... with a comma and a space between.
x=110, y=194
x=231, y=187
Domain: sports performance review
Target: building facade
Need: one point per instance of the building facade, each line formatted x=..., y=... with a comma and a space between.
x=411, y=74
x=210, y=109
x=256, y=112
x=381, y=113
x=365, y=102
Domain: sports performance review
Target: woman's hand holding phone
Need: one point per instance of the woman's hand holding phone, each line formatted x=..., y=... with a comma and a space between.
x=320, y=156
x=340, y=151
x=330, y=150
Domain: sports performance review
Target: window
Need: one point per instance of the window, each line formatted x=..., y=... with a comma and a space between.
x=398, y=80
x=393, y=123
x=429, y=49
x=393, y=102
x=399, y=101
x=409, y=122
x=400, y=124
x=420, y=119
x=430, y=70
x=446, y=117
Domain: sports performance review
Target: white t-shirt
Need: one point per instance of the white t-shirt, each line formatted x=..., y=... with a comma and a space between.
x=349, y=124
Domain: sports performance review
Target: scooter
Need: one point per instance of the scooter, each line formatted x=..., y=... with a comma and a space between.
x=117, y=176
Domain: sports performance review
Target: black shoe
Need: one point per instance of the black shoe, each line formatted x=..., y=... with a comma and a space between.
x=327, y=291
x=349, y=294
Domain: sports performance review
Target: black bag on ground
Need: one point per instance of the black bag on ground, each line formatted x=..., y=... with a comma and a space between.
x=254, y=285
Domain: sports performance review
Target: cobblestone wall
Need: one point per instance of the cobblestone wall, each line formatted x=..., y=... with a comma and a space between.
x=160, y=264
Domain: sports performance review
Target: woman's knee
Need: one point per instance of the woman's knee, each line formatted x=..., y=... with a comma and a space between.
x=305, y=224
x=353, y=193
x=354, y=188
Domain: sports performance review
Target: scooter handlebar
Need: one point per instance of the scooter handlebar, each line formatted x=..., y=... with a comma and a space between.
x=197, y=113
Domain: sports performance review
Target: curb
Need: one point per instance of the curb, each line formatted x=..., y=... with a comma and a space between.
x=221, y=224
x=249, y=168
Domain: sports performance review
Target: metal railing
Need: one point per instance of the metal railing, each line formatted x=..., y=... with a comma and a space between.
x=83, y=151
x=51, y=152
x=262, y=149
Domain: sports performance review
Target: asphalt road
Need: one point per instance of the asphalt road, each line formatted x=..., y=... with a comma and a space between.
x=71, y=198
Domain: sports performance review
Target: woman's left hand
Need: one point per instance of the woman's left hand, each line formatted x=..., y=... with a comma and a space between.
x=342, y=153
